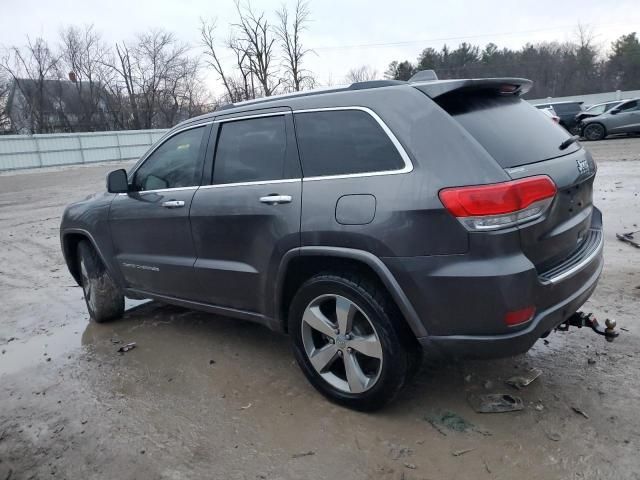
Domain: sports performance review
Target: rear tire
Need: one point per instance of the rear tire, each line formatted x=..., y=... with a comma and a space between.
x=594, y=131
x=104, y=299
x=361, y=349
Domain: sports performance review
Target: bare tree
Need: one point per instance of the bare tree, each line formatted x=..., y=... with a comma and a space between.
x=33, y=69
x=212, y=58
x=257, y=37
x=5, y=88
x=293, y=52
x=83, y=54
x=149, y=71
x=361, y=74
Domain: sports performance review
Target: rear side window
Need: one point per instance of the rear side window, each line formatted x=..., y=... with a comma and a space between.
x=509, y=128
x=340, y=142
x=251, y=150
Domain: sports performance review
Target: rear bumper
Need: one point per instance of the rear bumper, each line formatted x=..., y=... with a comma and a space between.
x=509, y=344
x=462, y=299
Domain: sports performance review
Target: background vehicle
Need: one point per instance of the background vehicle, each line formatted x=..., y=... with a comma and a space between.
x=598, y=109
x=624, y=118
x=549, y=112
x=567, y=112
x=368, y=222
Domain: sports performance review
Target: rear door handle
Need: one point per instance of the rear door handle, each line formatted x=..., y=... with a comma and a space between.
x=275, y=199
x=173, y=204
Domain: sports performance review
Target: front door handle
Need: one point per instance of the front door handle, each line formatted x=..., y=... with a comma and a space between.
x=275, y=199
x=173, y=204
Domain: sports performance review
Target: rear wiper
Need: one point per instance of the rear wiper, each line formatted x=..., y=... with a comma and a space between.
x=569, y=141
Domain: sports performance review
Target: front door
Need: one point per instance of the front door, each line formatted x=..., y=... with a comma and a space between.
x=249, y=216
x=150, y=225
x=627, y=118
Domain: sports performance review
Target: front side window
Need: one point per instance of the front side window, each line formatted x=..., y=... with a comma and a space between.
x=251, y=150
x=342, y=142
x=174, y=164
x=629, y=106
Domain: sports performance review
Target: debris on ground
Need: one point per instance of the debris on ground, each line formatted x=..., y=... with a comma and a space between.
x=579, y=411
x=395, y=452
x=211, y=362
x=495, y=403
x=488, y=385
x=303, y=454
x=591, y=361
x=447, y=420
x=486, y=465
x=127, y=347
x=458, y=453
x=628, y=238
x=555, y=436
x=410, y=466
x=539, y=407
x=521, y=381
x=246, y=407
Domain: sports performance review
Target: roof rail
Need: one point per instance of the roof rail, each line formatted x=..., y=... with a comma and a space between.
x=374, y=84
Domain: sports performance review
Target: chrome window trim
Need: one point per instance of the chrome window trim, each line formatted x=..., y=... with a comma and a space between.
x=144, y=158
x=257, y=182
x=257, y=115
x=160, y=190
x=408, y=165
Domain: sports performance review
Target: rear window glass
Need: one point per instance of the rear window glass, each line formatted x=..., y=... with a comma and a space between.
x=511, y=130
x=344, y=141
x=566, y=108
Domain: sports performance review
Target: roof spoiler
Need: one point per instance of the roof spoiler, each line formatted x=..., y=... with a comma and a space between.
x=502, y=86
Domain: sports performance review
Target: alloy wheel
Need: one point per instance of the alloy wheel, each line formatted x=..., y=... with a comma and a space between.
x=341, y=343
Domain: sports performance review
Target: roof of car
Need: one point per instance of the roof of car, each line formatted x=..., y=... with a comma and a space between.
x=433, y=88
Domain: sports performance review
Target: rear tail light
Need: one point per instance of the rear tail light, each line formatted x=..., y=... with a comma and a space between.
x=499, y=205
x=518, y=317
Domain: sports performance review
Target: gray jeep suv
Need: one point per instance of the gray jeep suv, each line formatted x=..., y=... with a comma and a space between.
x=368, y=222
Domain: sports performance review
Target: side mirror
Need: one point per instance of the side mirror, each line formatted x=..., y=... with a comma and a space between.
x=614, y=111
x=117, y=181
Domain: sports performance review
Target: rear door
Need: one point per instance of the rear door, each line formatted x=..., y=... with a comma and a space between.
x=249, y=216
x=150, y=225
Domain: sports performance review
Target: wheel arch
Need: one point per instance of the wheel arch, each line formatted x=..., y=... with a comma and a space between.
x=299, y=264
x=70, y=240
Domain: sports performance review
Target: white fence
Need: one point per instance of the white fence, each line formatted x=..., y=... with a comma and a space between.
x=30, y=151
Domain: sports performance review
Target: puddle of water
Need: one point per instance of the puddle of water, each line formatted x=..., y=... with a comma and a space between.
x=49, y=346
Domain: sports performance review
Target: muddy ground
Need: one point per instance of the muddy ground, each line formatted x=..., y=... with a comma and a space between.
x=210, y=397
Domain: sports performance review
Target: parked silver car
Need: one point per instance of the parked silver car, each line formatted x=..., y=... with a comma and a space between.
x=625, y=118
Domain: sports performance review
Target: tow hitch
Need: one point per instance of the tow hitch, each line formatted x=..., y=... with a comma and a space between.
x=581, y=319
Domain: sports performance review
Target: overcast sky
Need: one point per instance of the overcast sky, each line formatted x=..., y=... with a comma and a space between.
x=343, y=33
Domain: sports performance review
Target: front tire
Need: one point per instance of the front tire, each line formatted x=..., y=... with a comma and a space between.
x=104, y=299
x=349, y=341
x=594, y=131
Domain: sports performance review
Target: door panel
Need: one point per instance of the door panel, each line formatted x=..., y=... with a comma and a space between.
x=240, y=239
x=153, y=242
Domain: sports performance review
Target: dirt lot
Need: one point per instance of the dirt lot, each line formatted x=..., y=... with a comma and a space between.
x=210, y=397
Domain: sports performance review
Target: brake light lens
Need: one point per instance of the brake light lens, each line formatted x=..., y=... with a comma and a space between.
x=499, y=205
x=518, y=317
